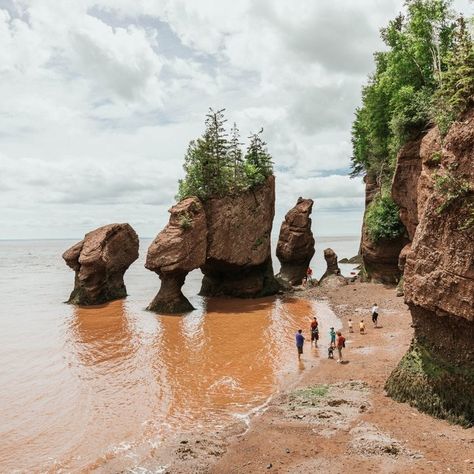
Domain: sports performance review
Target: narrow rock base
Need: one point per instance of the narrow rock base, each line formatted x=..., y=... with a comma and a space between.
x=170, y=299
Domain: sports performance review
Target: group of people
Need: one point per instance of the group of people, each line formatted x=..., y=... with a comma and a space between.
x=337, y=340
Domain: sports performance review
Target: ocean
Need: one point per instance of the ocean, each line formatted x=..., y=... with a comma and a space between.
x=86, y=387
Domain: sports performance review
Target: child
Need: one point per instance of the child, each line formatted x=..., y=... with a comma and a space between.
x=330, y=352
x=332, y=337
x=340, y=343
x=349, y=323
x=362, y=326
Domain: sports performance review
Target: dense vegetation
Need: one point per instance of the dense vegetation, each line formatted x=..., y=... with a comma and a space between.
x=425, y=76
x=216, y=166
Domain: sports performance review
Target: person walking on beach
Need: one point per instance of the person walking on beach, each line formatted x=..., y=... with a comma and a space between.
x=332, y=337
x=314, y=331
x=349, y=324
x=299, y=342
x=340, y=343
x=375, y=314
x=362, y=326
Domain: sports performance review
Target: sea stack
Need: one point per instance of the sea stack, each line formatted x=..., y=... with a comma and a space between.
x=238, y=261
x=295, y=247
x=178, y=249
x=332, y=278
x=100, y=262
x=436, y=375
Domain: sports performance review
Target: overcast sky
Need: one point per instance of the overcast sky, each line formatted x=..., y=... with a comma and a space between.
x=99, y=99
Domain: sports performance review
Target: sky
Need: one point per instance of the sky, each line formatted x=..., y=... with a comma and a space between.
x=100, y=98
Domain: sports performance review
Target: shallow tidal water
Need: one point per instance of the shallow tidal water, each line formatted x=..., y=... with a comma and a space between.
x=87, y=388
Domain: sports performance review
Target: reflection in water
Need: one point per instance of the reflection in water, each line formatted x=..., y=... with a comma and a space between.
x=127, y=384
x=101, y=334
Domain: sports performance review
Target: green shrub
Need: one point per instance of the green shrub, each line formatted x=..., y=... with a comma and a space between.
x=382, y=219
x=185, y=221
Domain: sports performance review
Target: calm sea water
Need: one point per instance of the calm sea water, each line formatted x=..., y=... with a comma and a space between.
x=85, y=389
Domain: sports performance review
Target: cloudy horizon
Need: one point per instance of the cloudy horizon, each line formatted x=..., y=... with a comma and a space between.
x=100, y=99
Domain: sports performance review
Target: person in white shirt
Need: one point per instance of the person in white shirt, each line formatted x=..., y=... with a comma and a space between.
x=375, y=314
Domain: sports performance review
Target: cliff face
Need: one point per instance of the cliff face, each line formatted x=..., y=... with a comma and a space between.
x=100, y=262
x=238, y=260
x=295, y=247
x=380, y=258
x=178, y=249
x=437, y=374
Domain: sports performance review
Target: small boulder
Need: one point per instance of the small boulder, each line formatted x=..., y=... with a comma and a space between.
x=100, y=262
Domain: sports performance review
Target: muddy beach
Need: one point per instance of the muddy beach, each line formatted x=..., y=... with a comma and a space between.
x=337, y=417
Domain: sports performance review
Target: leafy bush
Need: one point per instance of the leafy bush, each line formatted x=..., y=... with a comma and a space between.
x=185, y=221
x=382, y=219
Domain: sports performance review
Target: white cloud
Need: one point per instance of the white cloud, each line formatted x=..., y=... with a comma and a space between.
x=99, y=99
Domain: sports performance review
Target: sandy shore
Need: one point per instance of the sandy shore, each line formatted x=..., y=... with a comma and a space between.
x=338, y=418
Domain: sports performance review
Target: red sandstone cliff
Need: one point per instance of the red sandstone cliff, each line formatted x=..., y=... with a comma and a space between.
x=380, y=258
x=437, y=375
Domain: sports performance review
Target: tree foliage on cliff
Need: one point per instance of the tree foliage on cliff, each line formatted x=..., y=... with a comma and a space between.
x=425, y=75
x=382, y=219
x=215, y=165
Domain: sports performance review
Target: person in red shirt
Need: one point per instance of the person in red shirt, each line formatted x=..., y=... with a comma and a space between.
x=314, y=331
x=340, y=344
x=308, y=277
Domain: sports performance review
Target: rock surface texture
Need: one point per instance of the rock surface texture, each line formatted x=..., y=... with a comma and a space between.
x=332, y=277
x=295, y=247
x=99, y=262
x=178, y=249
x=238, y=260
x=437, y=374
x=380, y=258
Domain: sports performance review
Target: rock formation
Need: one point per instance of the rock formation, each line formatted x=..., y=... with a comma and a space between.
x=295, y=247
x=437, y=374
x=100, y=261
x=179, y=248
x=332, y=277
x=238, y=261
x=380, y=258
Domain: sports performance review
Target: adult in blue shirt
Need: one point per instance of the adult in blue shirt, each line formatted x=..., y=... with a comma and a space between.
x=299, y=342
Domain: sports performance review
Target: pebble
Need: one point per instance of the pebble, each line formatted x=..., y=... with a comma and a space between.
x=270, y=466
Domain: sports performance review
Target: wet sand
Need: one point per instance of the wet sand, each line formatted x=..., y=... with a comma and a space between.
x=337, y=418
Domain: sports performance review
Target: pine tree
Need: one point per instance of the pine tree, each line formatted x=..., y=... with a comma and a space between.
x=258, y=162
x=236, y=160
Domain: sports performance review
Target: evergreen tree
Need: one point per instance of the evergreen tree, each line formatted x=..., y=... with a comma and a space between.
x=456, y=91
x=236, y=160
x=258, y=162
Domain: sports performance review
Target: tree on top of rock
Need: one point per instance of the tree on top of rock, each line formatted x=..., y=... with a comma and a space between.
x=215, y=166
x=258, y=162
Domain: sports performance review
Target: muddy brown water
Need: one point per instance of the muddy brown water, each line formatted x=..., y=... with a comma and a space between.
x=84, y=389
